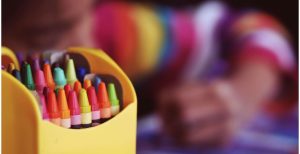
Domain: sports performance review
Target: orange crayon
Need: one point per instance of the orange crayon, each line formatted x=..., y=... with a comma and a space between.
x=64, y=110
x=77, y=87
x=48, y=76
x=53, y=111
x=105, y=110
x=87, y=83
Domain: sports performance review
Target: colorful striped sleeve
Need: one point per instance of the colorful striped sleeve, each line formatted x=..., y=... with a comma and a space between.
x=256, y=34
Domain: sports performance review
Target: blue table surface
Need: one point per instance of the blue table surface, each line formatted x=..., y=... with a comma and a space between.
x=265, y=135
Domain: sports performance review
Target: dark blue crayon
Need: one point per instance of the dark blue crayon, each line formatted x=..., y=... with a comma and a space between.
x=80, y=73
x=16, y=74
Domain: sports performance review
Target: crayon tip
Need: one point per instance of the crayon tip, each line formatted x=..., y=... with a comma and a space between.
x=112, y=94
x=11, y=67
x=16, y=74
x=73, y=103
x=96, y=82
x=67, y=89
x=63, y=105
x=27, y=77
x=81, y=72
x=77, y=87
x=36, y=64
x=59, y=77
x=52, y=105
x=70, y=72
x=93, y=98
x=87, y=83
x=102, y=96
x=40, y=82
x=48, y=76
x=84, y=102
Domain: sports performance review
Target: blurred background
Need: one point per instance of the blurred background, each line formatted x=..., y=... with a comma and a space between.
x=211, y=76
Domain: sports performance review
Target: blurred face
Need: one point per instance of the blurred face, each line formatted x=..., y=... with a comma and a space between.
x=46, y=24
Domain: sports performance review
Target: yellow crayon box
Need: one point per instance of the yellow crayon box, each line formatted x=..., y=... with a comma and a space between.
x=25, y=132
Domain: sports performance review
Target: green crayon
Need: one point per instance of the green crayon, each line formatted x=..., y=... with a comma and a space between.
x=70, y=72
x=115, y=105
x=27, y=77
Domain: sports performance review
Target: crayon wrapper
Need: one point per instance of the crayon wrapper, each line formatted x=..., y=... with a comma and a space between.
x=56, y=121
x=96, y=115
x=115, y=110
x=105, y=112
x=66, y=123
x=76, y=120
x=86, y=118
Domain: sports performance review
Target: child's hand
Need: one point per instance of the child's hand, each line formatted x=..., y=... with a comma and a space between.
x=201, y=114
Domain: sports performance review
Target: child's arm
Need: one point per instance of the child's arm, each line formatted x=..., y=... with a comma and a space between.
x=196, y=113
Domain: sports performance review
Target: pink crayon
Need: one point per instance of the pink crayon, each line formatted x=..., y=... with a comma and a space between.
x=40, y=82
x=94, y=105
x=74, y=110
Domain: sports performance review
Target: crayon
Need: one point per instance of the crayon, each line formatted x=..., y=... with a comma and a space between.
x=104, y=103
x=77, y=87
x=94, y=78
x=54, y=65
x=96, y=82
x=59, y=77
x=70, y=72
x=67, y=89
x=63, y=108
x=36, y=64
x=48, y=76
x=52, y=107
x=16, y=74
x=23, y=70
x=85, y=108
x=94, y=106
x=27, y=77
x=43, y=107
x=46, y=90
x=74, y=110
x=87, y=83
x=39, y=80
x=81, y=72
x=114, y=101
x=11, y=67
x=66, y=58
x=20, y=56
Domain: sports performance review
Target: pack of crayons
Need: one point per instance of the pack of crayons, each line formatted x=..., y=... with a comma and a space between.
x=68, y=96
x=76, y=88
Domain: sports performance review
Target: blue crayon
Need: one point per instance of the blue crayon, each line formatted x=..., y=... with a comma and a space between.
x=96, y=81
x=80, y=73
x=16, y=74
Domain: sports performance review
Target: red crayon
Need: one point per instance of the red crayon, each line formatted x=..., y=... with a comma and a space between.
x=46, y=90
x=43, y=107
x=67, y=89
x=39, y=80
x=94, y=105
x=53, y=110
x=74, y=110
